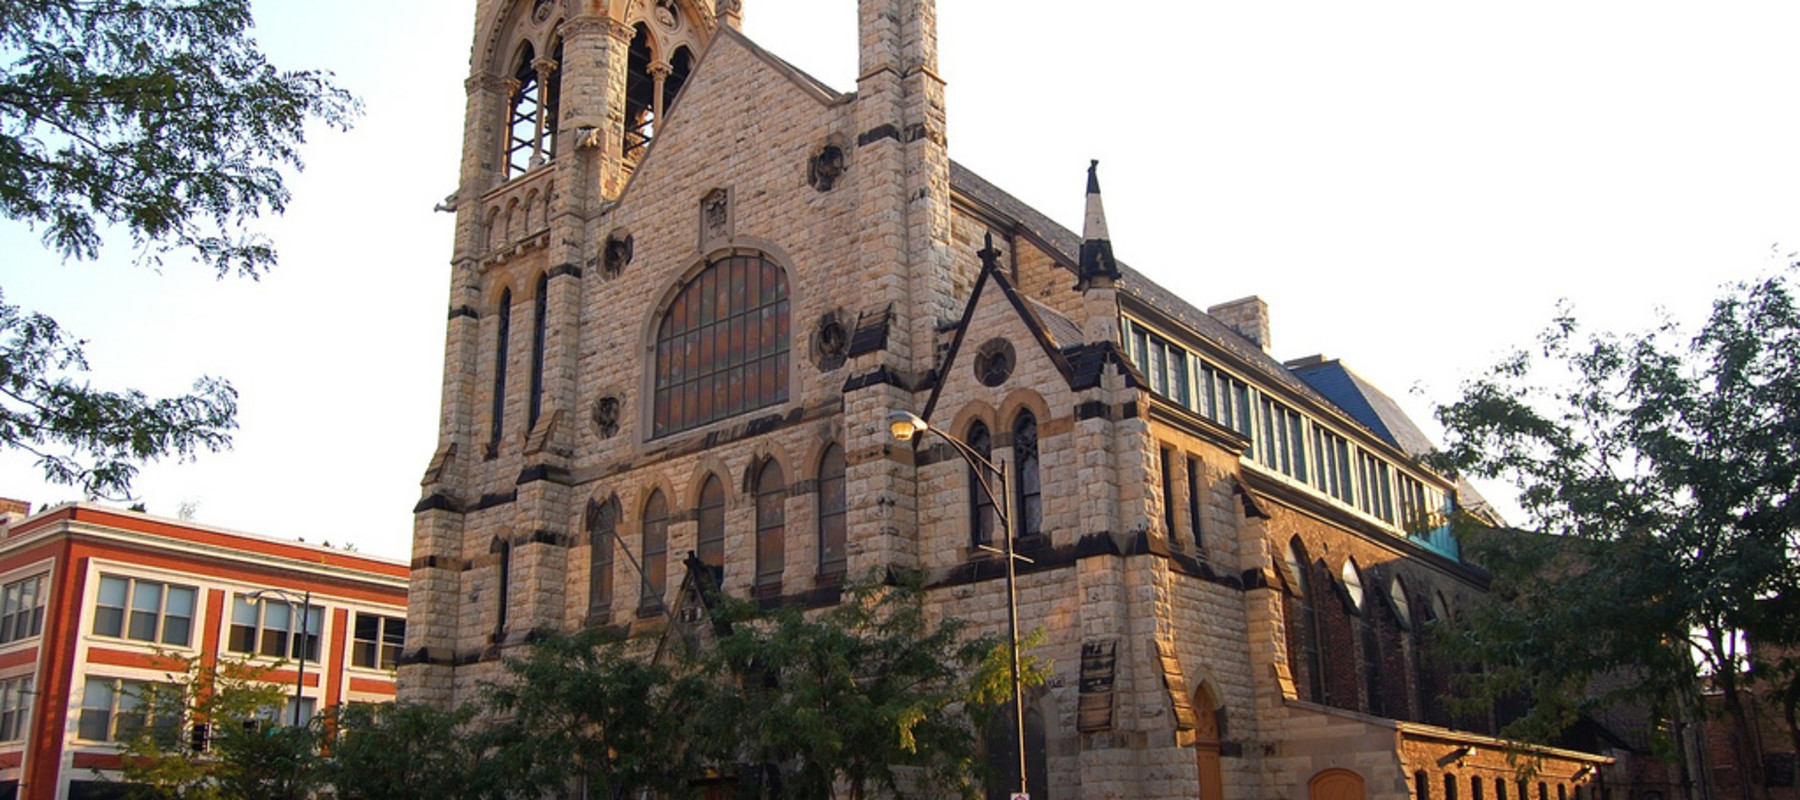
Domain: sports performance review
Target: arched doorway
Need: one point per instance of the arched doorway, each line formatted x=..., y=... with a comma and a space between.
x=1206, y=745
x=1335, y=784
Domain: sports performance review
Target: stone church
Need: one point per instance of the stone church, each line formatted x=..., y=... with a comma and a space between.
x=690, y=285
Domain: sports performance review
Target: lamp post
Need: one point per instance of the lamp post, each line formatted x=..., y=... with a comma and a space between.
x=305, y=608
x=904, y=425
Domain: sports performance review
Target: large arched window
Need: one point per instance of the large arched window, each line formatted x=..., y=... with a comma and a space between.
x=722, y=345
x=1029, y=521
x=711, y=540
x=832, y=508
x=656, y=554
x=771, y=524
x=503, y=325
x=982, y=519
x=540, y=326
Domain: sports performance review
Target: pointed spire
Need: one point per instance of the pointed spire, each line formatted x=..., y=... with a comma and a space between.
x=1096, y=265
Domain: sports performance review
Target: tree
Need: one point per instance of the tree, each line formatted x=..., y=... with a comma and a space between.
x=868, y=695
x=1659, y=473
x=400, y=751
x=211, y=734
x=584, y=708
x=161, y=119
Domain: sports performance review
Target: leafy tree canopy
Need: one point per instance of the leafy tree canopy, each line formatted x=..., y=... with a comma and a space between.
x=160, y=119
x=1658, y=471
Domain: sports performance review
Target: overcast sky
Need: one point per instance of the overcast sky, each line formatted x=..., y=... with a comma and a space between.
x=1410, y=185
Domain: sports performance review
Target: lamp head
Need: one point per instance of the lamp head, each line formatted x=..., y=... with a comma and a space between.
x=905, y=425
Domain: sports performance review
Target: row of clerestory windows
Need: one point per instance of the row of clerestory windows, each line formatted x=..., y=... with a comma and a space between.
x=722, y=348
x=1288, y=443
x=769, y=494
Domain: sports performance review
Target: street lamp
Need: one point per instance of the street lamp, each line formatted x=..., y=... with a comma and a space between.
x=305, y=608
x=904, y=425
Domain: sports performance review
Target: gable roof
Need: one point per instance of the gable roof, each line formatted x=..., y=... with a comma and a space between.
x=1066, y=245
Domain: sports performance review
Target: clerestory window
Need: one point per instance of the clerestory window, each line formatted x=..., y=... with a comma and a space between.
x=722, y=345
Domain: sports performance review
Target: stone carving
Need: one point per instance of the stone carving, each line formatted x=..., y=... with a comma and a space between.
x=832, y=342
x=606, y=416
x=616, y=255
x=822, y=173
x=715, y=218
x=666, y=14
x=541, y=10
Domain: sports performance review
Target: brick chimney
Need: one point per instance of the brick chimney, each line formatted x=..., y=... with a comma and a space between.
x=1249, y=316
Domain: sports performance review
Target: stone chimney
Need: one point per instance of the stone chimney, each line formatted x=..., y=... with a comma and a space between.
x=1249, y=316
x=11, y=512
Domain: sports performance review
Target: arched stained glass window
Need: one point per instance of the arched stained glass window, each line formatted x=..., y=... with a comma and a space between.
x=722, y=345
x=1030, y=488
x=711, y=546
x=655, y=548
x=602, y=523
x=982, y=520
x=771, y=524
x=832, y=507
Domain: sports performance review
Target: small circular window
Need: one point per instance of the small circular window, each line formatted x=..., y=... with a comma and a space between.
x=994, y=362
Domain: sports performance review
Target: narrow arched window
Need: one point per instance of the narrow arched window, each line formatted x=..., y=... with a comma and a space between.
x=722, y=345
x=503, y=325
x=771, y=524
x=602, y=526
x=681, y=64
x=533, y=106
x=1029, y=521
x=982, y=519
x=1303, y=624
x=640, y=95
x=832, y=507
x=503, y=567
x=552, y=103
x=710, y=548
x=655, y=547
x=540, y=325
x=524, y=117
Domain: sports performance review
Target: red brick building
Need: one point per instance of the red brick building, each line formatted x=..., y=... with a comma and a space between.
x=90, y=596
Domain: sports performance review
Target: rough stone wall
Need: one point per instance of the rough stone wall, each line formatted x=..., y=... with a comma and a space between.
x=1180, y=601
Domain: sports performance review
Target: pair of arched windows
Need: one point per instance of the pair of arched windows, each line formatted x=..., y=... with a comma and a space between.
x=1027, y=513
x=540, y=324
x=769, y=495
x=769, y=490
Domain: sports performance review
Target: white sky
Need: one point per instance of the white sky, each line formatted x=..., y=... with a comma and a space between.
x=1410, y=185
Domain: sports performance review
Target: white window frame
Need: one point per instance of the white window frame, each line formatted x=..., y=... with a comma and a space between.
x=22, y=608
x=160, y=633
